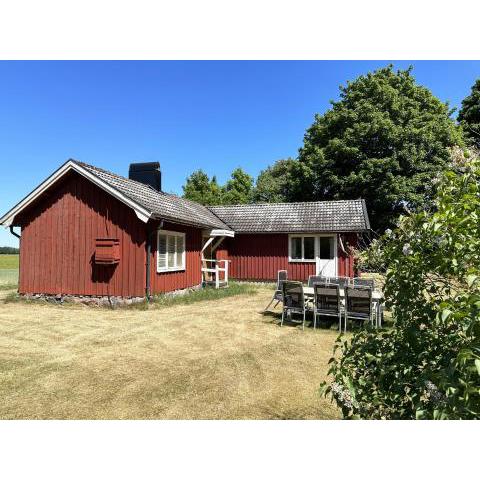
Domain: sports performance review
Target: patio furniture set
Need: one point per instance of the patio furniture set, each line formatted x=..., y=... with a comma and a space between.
x=341, y=297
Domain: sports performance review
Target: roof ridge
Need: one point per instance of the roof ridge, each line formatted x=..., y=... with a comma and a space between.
x=284, y=203
x=114, y=174
x=132, y=180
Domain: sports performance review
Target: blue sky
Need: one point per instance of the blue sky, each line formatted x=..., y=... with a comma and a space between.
x=212, y=115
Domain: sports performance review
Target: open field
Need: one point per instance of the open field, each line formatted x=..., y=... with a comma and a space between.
x=219, y=359
x=8, y=262
x=8, y=271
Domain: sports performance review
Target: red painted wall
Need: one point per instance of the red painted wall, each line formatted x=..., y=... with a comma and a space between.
x=192, y=275
x=58, y=245
x=58, y=242
x=346, y=262
x=260, y=256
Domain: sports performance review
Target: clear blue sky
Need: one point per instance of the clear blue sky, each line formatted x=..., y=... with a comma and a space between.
x=212, y=115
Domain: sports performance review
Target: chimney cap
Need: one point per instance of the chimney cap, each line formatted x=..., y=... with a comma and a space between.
x=138, y=167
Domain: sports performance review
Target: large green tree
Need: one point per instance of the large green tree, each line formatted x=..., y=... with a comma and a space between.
x=384, y=141
x=469, y=116
x=238, y=189
x=201, y=189
x=274, y=183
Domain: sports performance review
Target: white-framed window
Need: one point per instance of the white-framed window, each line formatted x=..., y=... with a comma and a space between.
x=170, y=251
x=302, y=248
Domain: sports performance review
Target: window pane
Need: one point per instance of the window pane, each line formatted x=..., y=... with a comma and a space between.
x=309, y=248
x=162, y=252
x=326, y=247
x=296, y=248
x=171, y=251
x=180, y=248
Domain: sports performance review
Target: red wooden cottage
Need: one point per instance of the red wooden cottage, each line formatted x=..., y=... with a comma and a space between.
x=86, y=231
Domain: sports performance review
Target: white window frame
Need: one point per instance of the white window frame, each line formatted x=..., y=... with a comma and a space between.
x=175, y=268
x=302, y=236
x=317, y=237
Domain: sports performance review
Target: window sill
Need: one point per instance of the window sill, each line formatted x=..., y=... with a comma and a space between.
x=167, y=270
x=297, y=260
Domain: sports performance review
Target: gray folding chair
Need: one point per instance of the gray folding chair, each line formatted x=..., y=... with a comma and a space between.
x=293, y=300
x=358, y=304
x=342, y=282
x=364, y=282
x=281, y=277
x=326, y=301
x=316, y=279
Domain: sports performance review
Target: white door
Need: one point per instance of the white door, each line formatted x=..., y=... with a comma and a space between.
x=326, y=259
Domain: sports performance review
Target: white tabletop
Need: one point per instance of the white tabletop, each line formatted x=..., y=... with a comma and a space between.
x=308, y=291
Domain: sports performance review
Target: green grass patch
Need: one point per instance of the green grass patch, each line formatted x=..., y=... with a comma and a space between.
x=203, y=294
x=8, y=286
x=158, y=301
x=14, y=297
x=8, y=262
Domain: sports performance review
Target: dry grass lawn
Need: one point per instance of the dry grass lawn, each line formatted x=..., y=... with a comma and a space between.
x=216, y=359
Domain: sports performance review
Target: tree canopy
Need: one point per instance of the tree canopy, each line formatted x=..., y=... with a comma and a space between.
x=9, y=250
x=469, y=116
x=384, y=141
x=200, y=188
x=238, y=189
x=274, y=183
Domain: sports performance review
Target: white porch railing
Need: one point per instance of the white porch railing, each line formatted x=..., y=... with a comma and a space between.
x=213, y=271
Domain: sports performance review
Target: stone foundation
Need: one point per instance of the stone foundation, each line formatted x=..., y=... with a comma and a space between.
x=83, y=299
x=93, y=301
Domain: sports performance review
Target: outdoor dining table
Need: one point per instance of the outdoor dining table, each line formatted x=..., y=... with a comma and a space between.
x=377, y=298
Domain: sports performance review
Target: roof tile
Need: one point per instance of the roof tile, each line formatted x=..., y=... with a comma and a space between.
x=326, y=216
x=162, y=205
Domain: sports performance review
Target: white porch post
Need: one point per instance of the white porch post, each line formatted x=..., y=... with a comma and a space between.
x=226, y=262
x=217, y=276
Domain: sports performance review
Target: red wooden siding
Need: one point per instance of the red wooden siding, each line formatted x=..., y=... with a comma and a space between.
x=346, y=262
x=192, y=275
x=59, y=231
x=58, y=243
x=260, y=256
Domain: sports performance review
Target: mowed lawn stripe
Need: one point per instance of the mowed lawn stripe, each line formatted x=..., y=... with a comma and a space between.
x=214, y=359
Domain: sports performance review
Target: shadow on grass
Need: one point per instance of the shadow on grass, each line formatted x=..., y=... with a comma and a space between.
x=275, y=317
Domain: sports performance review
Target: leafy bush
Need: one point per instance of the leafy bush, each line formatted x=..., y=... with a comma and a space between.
x=428, y=364
x=371, y=259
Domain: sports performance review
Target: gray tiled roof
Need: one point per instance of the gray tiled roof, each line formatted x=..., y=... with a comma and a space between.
x=328, y=216
x=162, y=205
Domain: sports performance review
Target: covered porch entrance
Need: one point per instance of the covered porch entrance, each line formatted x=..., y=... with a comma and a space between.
x=214, y=270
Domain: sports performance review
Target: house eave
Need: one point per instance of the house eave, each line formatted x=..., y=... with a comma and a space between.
x=222, y=233
x=8, y=219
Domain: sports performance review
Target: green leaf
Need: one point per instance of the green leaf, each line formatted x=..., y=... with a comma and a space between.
x=446, y=313
x=471, y=279
x=477, y=364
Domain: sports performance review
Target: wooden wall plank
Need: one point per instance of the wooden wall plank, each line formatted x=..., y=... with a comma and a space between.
x=58, y=239
x=260, y=256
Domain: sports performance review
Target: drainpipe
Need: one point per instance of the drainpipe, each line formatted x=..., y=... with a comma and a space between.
x=149, y=253
x=12, y=231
